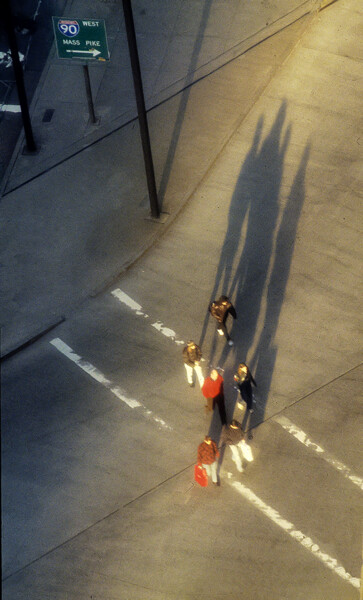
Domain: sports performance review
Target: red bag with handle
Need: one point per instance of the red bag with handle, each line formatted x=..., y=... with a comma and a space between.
x=200, y=475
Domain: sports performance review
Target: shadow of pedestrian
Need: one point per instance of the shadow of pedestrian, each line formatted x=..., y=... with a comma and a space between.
x=264, y=356
x=262, y=236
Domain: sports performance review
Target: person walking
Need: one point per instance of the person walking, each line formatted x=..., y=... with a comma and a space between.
x=220, y=309
x=213, y=391
x=244, y=379
x=233, y=436
x=192, y=355
x=207, y=457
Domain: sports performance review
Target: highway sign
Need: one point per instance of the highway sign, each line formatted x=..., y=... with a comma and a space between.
x=81, y=38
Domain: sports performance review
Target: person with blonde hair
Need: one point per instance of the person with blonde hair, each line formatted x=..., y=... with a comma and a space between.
x=192, y=356
x=244, y=380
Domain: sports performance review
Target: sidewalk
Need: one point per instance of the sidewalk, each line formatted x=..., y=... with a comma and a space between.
x=69, y=232
x=178, y=43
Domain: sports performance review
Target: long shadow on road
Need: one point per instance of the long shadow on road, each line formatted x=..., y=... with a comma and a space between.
x=255, y=259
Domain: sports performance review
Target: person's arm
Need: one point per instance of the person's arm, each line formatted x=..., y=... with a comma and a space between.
x=215, y=449
x=232, y=310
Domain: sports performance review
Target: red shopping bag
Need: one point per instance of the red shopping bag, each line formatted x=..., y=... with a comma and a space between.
x=200, y=475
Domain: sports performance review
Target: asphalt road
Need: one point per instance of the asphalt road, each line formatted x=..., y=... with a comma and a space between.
x=100, y=429
x=100, y=500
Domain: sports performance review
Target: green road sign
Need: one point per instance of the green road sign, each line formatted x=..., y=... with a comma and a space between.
x=81, y=38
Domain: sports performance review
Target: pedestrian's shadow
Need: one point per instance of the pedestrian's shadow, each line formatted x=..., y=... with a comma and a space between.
x=255, y=258
x=263, y=358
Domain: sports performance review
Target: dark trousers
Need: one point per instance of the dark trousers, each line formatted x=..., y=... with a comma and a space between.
x=222, y=327
x=245, y=389
x=219, y=401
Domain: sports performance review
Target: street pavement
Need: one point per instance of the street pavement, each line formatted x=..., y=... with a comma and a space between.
x=100, y=429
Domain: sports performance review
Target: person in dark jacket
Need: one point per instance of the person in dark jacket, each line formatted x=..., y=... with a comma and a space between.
x=233, y=436
x=213, y=390
x=207, y=456
x=192, y=356
x=244, y=380
x=220, y=309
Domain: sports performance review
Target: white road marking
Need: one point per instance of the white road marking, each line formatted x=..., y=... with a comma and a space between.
x=158, y=325
x=5, y=58
x=98, y=376
x=93, y=372
x=13, y=108
x=170, y=333
x=297, y=535
x=125, y=299
x=302, y=437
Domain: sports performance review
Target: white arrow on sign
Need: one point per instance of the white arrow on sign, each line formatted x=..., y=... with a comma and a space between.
x=90, y=51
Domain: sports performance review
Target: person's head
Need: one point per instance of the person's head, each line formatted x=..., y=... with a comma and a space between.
x=214, y=374
x=208, y=439
x=191, y=345
x=223, y=299
x=234, y=424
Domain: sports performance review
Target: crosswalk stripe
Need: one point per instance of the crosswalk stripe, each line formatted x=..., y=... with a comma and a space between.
x=302, y=437
x=297, y=535
x=158, y=325
x=98, y=376
x=93, y=372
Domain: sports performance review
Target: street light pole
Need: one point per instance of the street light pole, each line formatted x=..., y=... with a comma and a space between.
x=19, y=76
x=140, y=102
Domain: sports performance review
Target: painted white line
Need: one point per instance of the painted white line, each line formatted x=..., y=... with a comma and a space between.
x=93, y=372
x=98, y=376
x=158, y=325
x=302, y=437
x=5, y=58
x=13, y=108
x=170, y=333
x=297, y=535
x=125, y=299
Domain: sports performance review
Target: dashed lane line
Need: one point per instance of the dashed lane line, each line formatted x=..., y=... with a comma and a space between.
x=305, y=541
x=158, y=325
x=13, y=108
x=302, y=437
x=98, y=376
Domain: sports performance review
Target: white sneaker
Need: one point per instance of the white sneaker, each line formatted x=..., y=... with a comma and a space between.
x=230, y=343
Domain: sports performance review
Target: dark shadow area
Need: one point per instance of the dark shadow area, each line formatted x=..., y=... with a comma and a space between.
x=184, y=97
x=261, y=262
x=263, y=359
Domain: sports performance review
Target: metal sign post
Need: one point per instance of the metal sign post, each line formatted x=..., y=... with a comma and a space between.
x=144, y=130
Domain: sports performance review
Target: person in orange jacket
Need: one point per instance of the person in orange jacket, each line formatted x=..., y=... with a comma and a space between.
x=207, y=457
x=213, y=390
